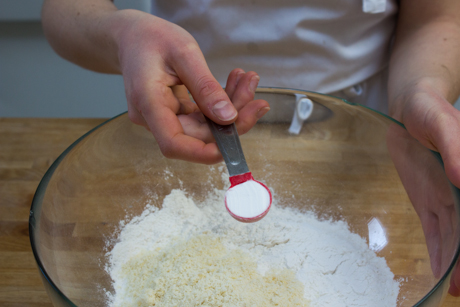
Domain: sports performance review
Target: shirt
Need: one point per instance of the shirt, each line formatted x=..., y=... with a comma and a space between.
x=318, y=45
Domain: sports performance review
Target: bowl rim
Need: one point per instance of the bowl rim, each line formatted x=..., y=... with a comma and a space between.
x=41, y=189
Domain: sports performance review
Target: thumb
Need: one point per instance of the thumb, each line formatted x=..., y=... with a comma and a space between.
x=445, y=139
x=435, y=123
x=208, y=94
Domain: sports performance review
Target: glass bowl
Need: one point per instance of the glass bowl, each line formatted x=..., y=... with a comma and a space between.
x=347, y=163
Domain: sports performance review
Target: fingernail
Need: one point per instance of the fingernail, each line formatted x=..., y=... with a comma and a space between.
x=253, y=83
x=238, y=76
x=224, y=110
x=262, y=112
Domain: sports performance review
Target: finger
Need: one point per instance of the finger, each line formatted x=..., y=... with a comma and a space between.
x=455, y=281
x=181, y=92
x=232, y=81
x=250, y=114
x=168, y=131
x=135, y=116
x=449, y=239
x=195, y=125
x=446, y=140
x=192, y=120
x=245, y=89
x=208, y=94
x=187, y=106
x=433, y=240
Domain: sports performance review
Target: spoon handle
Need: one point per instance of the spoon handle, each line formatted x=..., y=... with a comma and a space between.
x=229, y=145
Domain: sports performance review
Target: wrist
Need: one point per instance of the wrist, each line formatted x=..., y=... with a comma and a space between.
x=425, y=112
x=402, y=100
x=118, y=27
x=136, y=35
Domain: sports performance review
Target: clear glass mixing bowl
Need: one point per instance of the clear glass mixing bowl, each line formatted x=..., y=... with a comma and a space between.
x=348, y=162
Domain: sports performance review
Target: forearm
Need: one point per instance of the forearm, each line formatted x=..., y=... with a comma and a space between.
x=426, y=55
x=83, y=32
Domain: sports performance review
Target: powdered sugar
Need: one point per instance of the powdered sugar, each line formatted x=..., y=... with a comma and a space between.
x=335, y=265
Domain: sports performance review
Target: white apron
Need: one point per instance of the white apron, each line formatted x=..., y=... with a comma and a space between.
x=326, y=46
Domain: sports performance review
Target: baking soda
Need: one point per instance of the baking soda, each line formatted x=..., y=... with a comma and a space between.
x=248, y=199
x=334, y=265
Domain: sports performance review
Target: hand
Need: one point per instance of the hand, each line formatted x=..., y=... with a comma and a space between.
x=434, y=123
x=161, y=63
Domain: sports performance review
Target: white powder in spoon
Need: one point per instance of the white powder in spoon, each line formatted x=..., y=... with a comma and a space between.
x=335, y=265
x=248, y=199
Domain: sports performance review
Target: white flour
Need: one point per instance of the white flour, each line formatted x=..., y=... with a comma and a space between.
x=335, y=265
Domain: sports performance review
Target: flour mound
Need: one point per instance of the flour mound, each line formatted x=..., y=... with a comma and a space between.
x=189, y=254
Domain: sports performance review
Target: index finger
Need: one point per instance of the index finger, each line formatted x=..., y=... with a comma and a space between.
x=168, y=132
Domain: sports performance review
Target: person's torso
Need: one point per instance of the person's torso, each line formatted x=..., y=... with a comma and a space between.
x=319, y=45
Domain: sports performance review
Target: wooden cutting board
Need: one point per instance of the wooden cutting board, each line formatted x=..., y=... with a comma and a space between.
x=27, y=149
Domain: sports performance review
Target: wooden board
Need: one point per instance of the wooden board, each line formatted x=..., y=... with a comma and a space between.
x=27, y=149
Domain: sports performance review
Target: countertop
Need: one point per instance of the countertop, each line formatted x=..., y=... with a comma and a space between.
x=27, y=148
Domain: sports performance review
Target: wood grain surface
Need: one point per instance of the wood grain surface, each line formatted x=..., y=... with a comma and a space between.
x=27, y=149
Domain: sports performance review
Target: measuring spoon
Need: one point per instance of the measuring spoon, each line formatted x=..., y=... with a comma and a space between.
x=247, y=200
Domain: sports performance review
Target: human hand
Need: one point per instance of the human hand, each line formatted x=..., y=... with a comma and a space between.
x=161, y=63
x=429, y=192
x=433, y=121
